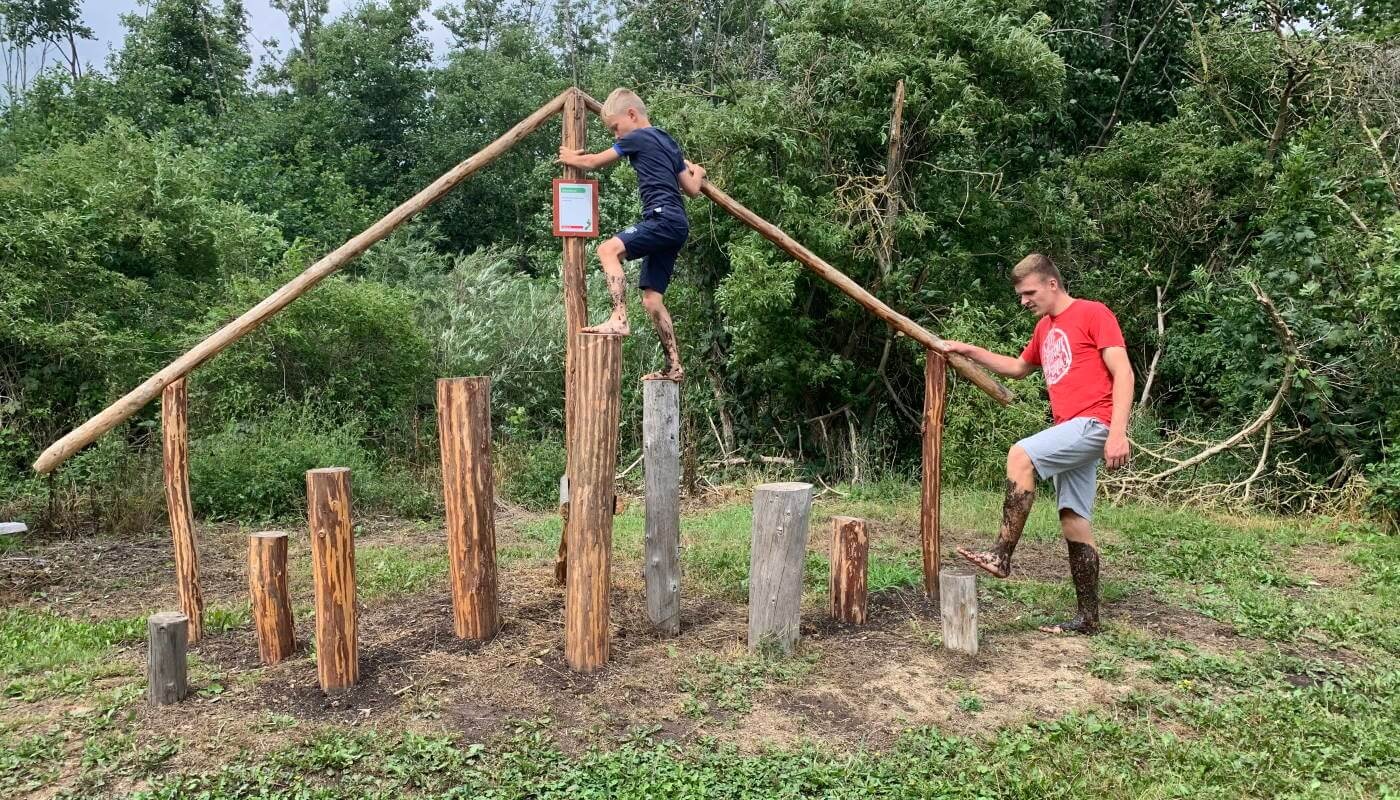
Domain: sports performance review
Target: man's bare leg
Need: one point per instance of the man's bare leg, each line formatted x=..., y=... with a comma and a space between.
x=1015, y=509
x=610, y=258
x=1084, y=570
x=666, y=332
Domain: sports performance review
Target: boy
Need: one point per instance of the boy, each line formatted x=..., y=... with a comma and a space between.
x=1079, y=346
x=662, y=174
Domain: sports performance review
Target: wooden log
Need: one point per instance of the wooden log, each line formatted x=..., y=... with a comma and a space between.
x=272, y=604
x=931, y=486
x=849, y=559
x=333, y=570
x=958, y=599
x=778, y=555
x=167, y=639
x=464, y=435
x=661, y=449
x=575, y=280
x=561, y=565
x=592, y=468
x=137, y=398
x=174, y=429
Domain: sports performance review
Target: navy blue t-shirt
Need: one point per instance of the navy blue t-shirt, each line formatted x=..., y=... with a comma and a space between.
x=657, y=159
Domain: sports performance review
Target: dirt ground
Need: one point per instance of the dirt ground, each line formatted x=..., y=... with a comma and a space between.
x=861, y=685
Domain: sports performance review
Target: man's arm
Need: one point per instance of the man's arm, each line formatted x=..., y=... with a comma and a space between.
x=1005, y=366
x=691, y=179
x=1115, y=452
x=584, y=160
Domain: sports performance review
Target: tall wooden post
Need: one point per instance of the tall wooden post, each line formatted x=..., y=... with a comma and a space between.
x=931, y=490
x=959, y=610
x=174, y=428
x=333, y=568
x=849, y=560
x=776, y=563
x=592, y=470
x=661, y=447
x=165, y=658
x=464, y=434
x=575, y=116
x=267, y=586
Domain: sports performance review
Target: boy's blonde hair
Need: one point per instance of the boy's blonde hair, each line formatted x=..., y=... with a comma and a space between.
x=1036, y=264
x=622, y=99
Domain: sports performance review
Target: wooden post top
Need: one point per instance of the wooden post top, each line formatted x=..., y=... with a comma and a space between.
x=327, y=470
x=268, y=535
x=787, y=486
x=168, y=618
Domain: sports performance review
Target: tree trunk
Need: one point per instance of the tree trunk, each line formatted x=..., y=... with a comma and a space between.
x=464, y=436
x=931, y=487
x=776, y=564
x=174, y=418
x=165, y=658
x=849, y=560
x=661, y=447
x=272, y=605
x=333, y=567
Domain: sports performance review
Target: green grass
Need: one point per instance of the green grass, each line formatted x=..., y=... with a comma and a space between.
x=35, y=641
x=729, y=683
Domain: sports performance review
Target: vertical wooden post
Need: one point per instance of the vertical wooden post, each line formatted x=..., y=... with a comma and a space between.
x=174, y=428
x=849, y=561
x=592, y=471
x=661, y=447
x=958, y=599
x=166, y=637
x=777, y=559
x=333, y=568
x=575, y=137
x=272, y=605
x=464, y=434
x=931, y=490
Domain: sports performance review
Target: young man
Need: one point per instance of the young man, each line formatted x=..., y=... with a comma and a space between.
x=662, y=174
x=1080, y=347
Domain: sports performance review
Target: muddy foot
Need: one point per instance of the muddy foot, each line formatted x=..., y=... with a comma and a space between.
x=613, y=327
x=676, y=375
x=989, y=563
x=1077, y=625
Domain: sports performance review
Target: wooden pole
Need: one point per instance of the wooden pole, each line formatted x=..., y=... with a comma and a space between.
x=662, y=451
x=958, y=598
x=850, y=552
x=598, y=362
x=137, y=398
x=776, y=563
x=267, y=586
x=333, y=568
x=931, y=488
x=575, y=279
x=165, y=657
x=174, y=429
x=464, y=434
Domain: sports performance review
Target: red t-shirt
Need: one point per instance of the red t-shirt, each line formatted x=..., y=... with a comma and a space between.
x=1068, y=348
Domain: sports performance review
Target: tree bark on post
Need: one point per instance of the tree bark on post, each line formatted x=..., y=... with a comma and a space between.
x=931, y=487
x=464, y=436
x=661, y=448
x=778, y=553
x=165, y=658
x=333, y=568
x=592, y=471
x=958, y=599
x=849, y=560
x=272, y=605
x=174, y=428
x=575, y=279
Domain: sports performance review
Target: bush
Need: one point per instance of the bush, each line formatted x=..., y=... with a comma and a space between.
x=1384, y=481
x=527, y=472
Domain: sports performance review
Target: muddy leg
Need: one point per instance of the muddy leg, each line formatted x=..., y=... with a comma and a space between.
x=1015, y=509
x=666, y=332
x=1084, y=570
x=610, y=258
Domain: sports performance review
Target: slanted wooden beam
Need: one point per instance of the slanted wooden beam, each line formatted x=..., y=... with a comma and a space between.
x=137, y=398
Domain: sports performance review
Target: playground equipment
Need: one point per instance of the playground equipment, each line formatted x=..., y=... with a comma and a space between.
x=592, y=367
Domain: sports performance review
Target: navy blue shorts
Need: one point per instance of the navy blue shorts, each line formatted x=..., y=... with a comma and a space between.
x=657, y=240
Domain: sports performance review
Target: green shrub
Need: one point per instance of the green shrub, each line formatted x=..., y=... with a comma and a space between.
x=527, y=472
x=256, y=469
x=1384, y=481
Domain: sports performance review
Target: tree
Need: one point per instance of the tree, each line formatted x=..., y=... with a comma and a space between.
x=187, y=53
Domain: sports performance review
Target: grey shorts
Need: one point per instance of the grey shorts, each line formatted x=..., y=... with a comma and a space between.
x=1069, y=455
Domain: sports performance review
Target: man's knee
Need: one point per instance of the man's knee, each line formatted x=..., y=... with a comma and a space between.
x=1075, y=528
x=1019, y=465
x=613, y=248
x=652, y=302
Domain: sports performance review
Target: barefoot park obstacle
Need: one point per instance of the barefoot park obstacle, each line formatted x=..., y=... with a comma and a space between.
x=591, y=402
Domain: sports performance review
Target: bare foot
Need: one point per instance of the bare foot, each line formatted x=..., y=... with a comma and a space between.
x=990, y=563
x=677, y=374
x=613, y=327
x=1077, y=625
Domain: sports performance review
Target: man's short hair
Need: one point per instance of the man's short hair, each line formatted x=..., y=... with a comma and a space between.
x=622, y=99
x=1036, y=264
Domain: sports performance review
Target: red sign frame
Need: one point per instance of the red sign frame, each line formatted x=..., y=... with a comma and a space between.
x=576, y=234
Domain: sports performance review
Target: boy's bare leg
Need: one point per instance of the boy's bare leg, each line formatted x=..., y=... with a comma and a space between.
x=610, y=257
x=666, y=332
x=1084, y=569
x=1015, y=509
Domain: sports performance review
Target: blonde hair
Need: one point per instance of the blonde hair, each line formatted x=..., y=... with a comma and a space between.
x=1036, y=264
x=622, y=99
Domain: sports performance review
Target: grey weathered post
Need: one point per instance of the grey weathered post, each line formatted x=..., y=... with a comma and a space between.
x=958, y=597
x=166, y=633
x=777, y=557
x=661, y=447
